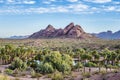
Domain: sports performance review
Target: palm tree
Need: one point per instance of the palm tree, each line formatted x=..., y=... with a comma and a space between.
x=79, y=52
x=107, y=55
x=85, y=57
x=96, y=57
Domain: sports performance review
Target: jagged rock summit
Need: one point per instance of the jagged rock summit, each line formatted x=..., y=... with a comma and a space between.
x=70, y=31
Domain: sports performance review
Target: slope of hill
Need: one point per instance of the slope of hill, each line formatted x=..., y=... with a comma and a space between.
x=108, y=35
x=70, y=31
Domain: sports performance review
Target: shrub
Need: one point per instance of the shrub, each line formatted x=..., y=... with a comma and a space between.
x=49, y=76
x=32, y=72
x=64, y=67
x=36, y=75
x=62, y=63
x=90, y=64
x=103, y=72
x=78, y=65
x=16, y=73
x=18, y=64
x=87, y=75
x=45, y=68
x=9, y=71
x=57, y=76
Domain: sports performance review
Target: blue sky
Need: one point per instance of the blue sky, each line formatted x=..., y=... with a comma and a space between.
x=24, y=17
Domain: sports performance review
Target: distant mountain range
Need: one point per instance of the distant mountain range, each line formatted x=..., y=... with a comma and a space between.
x=19, y=37
x=70, y=31
x=108, y=35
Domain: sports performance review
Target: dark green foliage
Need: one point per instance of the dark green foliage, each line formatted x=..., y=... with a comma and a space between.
x=44, y=68
x=18, y=64
x=78, y=65
x=90, y=64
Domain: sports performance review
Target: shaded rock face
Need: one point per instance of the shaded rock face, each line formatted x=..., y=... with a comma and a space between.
x=70, y=31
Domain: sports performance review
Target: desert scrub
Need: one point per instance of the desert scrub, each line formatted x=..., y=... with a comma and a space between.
x=36, y=75
x=103, y=72
x=9, y=71
x=57, y=76
x=86, y=75
x=49, y=76
x=4, y=77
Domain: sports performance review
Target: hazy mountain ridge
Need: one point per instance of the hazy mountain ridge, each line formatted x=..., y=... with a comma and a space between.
x=18, y=37
x=108, y=35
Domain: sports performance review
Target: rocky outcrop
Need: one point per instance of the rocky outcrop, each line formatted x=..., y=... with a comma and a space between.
x=70, y=31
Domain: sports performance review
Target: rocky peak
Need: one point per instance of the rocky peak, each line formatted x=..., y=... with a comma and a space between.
x=68, y=28
x=70, y=31
x=50, y=28
x=78, y=27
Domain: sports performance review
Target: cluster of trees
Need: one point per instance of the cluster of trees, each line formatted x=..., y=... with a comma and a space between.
x=48, y=61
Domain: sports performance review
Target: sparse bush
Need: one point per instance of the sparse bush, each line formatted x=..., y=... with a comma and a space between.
x=18, y=64
x=36, y=75
x=103, y=72
x=45, y=68
x=57, y=76
x=49, y=76
x=78, y=65
x=86, y=75
x=9, y=71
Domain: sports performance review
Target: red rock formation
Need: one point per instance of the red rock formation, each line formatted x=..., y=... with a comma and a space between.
x=69, y=31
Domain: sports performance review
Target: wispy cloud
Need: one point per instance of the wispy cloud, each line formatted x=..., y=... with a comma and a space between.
x=29, y=2
x=58, y=6
x=98, y=1
x=48, y=1
x=72, y=0
x=20, y=2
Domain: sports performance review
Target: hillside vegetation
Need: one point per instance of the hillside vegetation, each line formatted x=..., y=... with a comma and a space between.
x=66, y=42
x=59, y=59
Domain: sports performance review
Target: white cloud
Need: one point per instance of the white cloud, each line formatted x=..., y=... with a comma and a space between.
x=48, y=1
x=98, y=1
x=21, y=1
x=11, y=1
x=29, y=2
x=116, y=2
x=72, y=0
x=78, y=7
x=112, y=8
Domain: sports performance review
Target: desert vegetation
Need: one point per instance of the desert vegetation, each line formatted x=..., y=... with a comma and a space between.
x=24, y=62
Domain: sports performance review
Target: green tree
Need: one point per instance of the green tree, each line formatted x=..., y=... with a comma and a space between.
x=18, y=64
x=85, y=57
